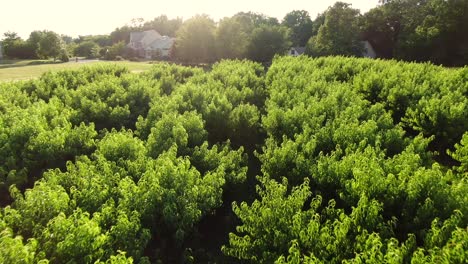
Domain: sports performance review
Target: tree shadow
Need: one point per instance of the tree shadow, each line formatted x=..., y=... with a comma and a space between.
x=15, y=64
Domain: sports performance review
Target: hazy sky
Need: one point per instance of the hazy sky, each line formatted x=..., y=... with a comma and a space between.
x=84, y=17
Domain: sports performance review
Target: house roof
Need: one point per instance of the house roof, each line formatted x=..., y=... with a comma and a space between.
x=144, y=36
x=136, y=36
x=163, y=42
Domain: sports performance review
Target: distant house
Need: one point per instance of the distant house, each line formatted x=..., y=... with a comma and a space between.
x=296, y=51
x=369, y=51
x=150, y=44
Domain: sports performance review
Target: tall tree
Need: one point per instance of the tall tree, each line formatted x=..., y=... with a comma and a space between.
x=88, y=49
x=431, y=30
x=101, y=40
x=232, y=39
x=256, y=19
x=317, y=23
x=34, y=39
x=66, y=39
x=339, y=35
x=195, y=40
x=15, y=47
x=301, y=26
x=266, y=41
x=434, y=30
x=381, y=27
x=163, y=25
x=10, y=40
x=50, y=45
x=121, y=34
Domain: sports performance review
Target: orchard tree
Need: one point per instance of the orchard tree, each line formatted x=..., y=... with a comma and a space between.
x=195, y=40
x=50, y=45
x=339, y=35
x=301, y=26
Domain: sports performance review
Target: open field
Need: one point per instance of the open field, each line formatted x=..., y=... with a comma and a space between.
x=25, y=69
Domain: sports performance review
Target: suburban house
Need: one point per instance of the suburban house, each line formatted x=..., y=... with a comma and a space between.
x=296, y=51
x=150, y=44
x=369, y=51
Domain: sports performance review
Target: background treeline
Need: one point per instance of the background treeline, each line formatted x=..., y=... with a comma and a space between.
x=325, y=160
x=410, y=30
x=40, y=45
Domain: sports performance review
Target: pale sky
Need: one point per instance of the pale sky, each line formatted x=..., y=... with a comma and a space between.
x=91, y=17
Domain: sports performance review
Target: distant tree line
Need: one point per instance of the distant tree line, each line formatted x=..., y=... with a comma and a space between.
x=412, y=30
x=40, y=45
x=419, y=30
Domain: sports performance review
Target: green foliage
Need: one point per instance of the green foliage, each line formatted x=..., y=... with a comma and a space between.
x=461, y=154
x=184, y=131
x=266, y=41
x=323, y=124
x=12, y=248
x=117, y=259
x=14, y=47
x=195, y=39
x=227, y=98
x=115, y=50
x=77, y=238
x=251, y=35
x=63, y=56
x=231, y=39
x=277, y=222
x=39, y=206
x=111, y=103
x=419, y=30
x=121, y=146
x=358, y=161
x=339, y=35
x=301, y=26
x=40, y=137
x=88, y=49
x=50, y=45
x=317, y=233
x=164, y=25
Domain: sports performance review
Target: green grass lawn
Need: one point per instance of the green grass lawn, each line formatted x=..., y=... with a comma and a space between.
x=12, y=70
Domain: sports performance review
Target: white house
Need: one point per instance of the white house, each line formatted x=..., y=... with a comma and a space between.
x=369, y=51
x=150, y=44
x=296, y=51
